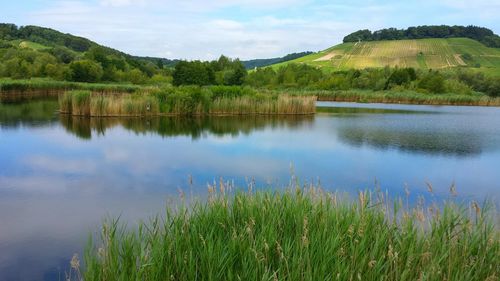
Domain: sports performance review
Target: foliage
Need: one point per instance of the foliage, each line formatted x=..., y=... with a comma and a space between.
x=85, y=71
x=193, y=73
x=481, y=34
x=433, y=82
x=223, y=71
x=481, y=83
x=299, y=235
x=303, y=76
x=59, y=52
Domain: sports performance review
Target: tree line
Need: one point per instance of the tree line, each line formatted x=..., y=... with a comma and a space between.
x=481, y=34
x=302, y=76
x=223, y=71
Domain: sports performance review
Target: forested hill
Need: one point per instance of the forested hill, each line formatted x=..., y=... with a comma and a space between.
x=481, y=34
x=33, y=51
x=67, y=46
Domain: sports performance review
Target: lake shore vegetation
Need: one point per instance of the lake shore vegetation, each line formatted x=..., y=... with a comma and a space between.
x=299, y=234
x=187, y=100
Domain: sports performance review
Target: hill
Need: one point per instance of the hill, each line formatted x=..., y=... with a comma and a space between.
x=33, y=51
x=433, y=53
x=251, y=64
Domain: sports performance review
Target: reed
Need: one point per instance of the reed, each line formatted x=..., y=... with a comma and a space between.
x=299, y=234
x=407, y=97
x=80, y=103
x=186, y=101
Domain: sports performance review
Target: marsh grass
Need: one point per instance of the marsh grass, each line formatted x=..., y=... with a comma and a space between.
x=407, y=97
x=20, y=86
x=185, y=101
x=299, y=234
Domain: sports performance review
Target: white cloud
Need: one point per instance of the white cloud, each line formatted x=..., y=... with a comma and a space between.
x=60, y=165
x=196, y=29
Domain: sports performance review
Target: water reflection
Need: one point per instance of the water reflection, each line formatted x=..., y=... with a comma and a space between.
x=458, y=144
x=193, y=127
x=355, y=111
x=35, y=113
x=59, y=175
x=456, y=135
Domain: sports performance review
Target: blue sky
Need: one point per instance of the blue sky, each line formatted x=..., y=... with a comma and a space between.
x=204, y=29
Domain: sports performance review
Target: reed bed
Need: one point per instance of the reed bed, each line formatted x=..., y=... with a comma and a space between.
x=298, y=234
x=405, y=98
x=185, y=101
x=43, y=85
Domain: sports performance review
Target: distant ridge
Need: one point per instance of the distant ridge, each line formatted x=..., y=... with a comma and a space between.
x=481, y=34
x=250, y=64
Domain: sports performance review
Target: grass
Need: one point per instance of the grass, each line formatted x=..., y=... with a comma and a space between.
x=216, y=100
x=421, y=53
x=37, y=85
x=404, y=97
x=299, y=234
x=30, y=45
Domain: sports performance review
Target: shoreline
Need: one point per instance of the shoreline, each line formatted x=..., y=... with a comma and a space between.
x=299, y=234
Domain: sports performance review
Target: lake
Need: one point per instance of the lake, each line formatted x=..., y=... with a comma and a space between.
x=61, y=175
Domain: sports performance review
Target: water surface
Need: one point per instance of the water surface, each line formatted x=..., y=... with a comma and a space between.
x=60, y=175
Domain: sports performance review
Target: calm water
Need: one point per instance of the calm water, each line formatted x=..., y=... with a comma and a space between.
x=60, y=175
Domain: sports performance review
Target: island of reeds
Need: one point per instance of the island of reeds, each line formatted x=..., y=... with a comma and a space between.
x=215, y=100
x=299, y=234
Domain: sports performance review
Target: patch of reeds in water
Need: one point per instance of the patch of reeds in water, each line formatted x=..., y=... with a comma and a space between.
x=299, y=234
x=196, y=101
x=407, y=98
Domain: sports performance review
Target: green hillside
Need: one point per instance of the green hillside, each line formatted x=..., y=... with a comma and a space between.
x=417, y=53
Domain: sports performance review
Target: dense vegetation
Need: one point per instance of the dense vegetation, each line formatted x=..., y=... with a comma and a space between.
x=187, y=100
x=33, y=51
x=303, y=76
x=298, y=235
x=481, y=34
x=223, y=71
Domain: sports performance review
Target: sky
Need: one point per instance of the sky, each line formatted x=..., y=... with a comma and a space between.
x=246, y=29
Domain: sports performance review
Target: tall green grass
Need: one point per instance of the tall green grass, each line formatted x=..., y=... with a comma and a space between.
x=406, y=97
x=22, y=86
x=217, y=100
x=299, y=235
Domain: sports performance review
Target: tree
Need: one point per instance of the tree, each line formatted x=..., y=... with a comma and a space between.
x=135, y=76
x=481, y=34
x=193, y=73
x=62, y=54
x=401, y=76
x=86, y=71
x=433, y=82
x=238, y=75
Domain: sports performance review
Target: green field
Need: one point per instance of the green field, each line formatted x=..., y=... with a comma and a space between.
x=422, y=54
